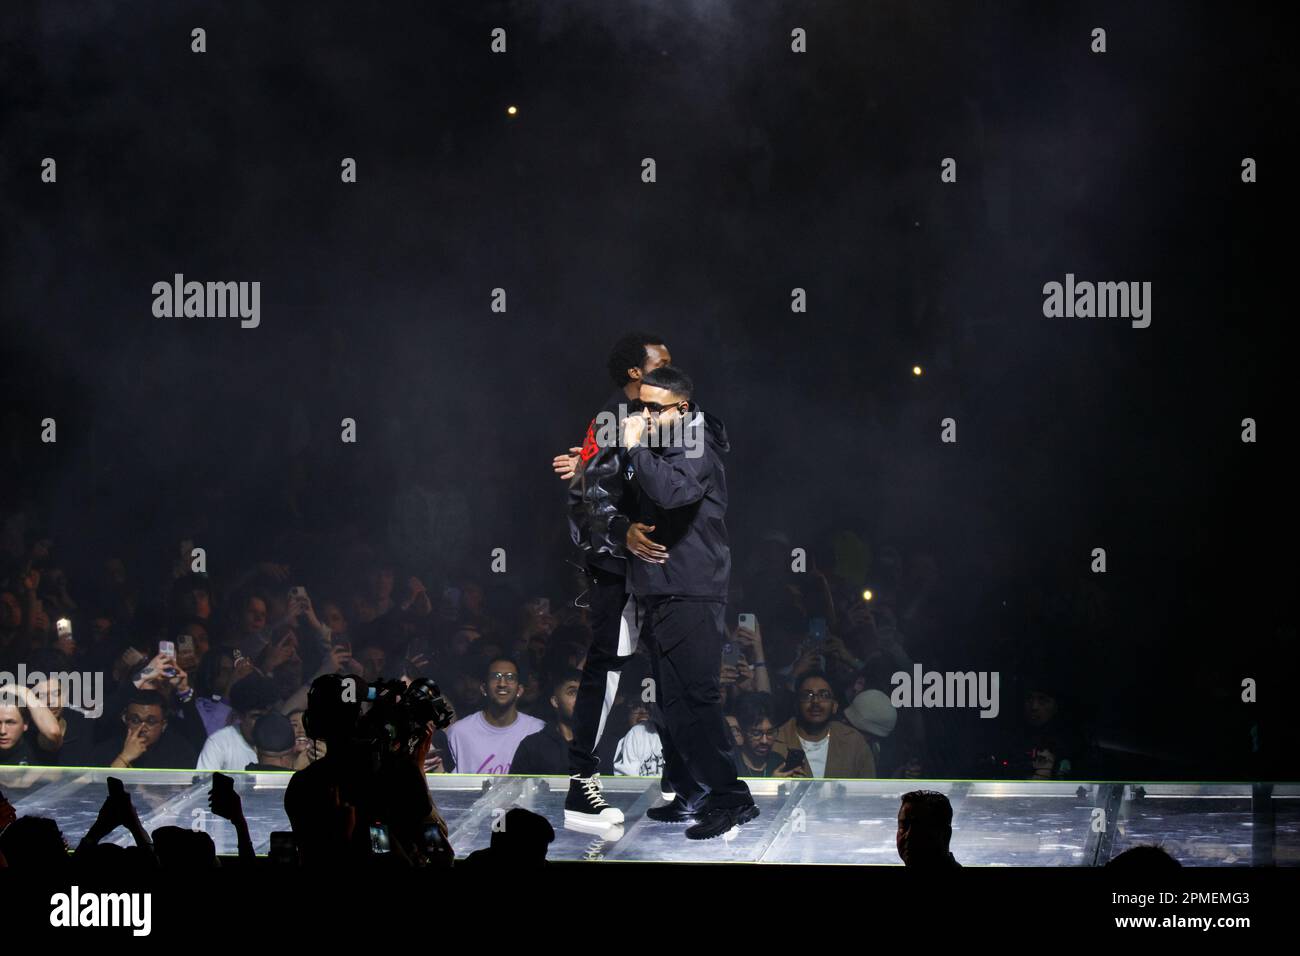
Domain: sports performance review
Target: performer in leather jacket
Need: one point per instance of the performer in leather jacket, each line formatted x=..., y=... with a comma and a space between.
x=602, y=509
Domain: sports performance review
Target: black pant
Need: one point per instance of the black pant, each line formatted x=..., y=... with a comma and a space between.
x=684, y=638
x=608, y=596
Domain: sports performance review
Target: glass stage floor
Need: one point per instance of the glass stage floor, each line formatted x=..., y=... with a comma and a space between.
x=995, y=823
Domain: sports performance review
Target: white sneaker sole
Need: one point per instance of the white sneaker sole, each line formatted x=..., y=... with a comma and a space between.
x=591, y=823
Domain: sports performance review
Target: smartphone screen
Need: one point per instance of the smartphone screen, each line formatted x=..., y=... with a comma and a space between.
x=730, y=654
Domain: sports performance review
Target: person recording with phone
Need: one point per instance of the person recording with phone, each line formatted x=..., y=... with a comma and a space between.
x=832, y=747
x=744, y=667
x=224, y=802
x=759, y=755
x=116, y=811
x=165, y=676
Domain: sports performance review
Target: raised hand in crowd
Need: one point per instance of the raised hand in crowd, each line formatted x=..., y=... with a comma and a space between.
x=281, y=651
x=116, y=811
x=224, y=802
x=157, y=673
x=751, y=645
x=417, y=598
x=338, y=660
x=243, y=667
x=301, y=606
x=47, y=725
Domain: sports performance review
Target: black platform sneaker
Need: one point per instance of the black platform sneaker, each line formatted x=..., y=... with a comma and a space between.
x=678, y=811
x=586, y=805
x=719, y=820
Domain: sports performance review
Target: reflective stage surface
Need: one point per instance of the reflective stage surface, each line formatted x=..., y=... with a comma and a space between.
x=995, y=823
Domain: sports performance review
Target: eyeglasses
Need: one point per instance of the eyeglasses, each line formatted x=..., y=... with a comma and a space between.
x=760, y=734
x=508, y=678
x=655, y=409
x=809, y=696
x=135, y=721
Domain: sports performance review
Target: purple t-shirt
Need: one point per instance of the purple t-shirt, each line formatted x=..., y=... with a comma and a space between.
x=215, y=714
x=478, y=747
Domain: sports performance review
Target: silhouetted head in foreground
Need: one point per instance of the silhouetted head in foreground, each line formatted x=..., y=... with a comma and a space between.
x=1145, y=858
x=181, y=849
x=521, y=839
x=34, y=843
x=924, y=829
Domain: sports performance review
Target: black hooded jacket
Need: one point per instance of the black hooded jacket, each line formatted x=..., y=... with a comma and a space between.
x=682, y=491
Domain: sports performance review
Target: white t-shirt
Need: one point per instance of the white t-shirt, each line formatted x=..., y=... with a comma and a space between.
x=226, y=750
x=640, y=753
x=816, y=752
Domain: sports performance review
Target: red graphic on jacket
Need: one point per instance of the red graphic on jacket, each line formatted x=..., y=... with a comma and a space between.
x=590, y=448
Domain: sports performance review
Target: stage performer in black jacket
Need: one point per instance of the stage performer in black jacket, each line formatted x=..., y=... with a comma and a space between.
x=674, y=458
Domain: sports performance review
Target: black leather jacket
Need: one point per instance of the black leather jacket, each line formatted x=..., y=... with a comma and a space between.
x=601, y=501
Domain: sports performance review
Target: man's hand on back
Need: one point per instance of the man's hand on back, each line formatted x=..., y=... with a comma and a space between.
x=639, y=544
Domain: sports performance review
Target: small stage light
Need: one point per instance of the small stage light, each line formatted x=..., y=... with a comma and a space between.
x=916, y=370
x=512, y=110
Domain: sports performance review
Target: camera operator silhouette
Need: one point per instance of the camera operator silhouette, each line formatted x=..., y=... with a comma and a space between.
x=357, y=805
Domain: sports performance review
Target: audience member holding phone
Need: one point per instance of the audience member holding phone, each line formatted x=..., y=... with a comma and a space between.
x=225, y=803
x=831, y=747
x=760, y=755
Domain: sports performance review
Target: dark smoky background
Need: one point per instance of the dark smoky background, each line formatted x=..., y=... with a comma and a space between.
x=775, y=171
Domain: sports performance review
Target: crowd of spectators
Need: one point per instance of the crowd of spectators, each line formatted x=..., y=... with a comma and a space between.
x=211, y=672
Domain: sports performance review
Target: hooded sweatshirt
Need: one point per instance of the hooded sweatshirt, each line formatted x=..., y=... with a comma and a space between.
x=683, y=493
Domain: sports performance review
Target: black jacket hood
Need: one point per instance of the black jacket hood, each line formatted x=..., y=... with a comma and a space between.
x=715, y=432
